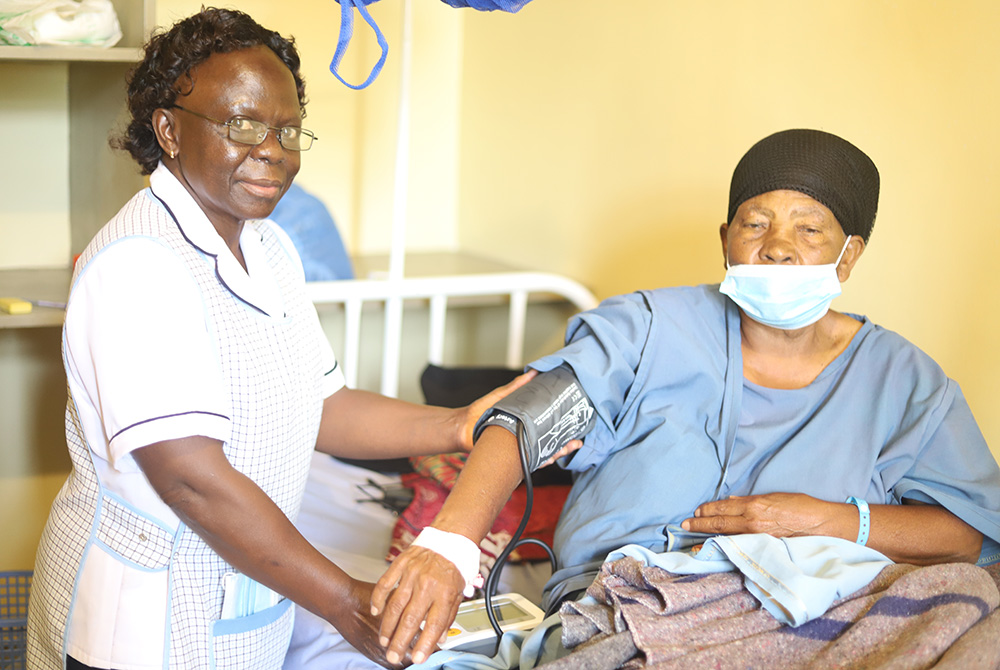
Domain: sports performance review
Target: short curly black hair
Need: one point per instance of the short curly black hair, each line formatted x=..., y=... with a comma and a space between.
x=169, y=55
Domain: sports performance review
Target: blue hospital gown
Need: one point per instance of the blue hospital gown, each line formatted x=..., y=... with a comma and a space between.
x=678, y=425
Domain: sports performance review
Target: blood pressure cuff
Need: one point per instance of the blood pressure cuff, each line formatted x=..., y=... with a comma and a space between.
x=552, y=409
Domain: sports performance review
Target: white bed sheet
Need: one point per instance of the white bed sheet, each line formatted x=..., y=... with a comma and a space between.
x=355, y=535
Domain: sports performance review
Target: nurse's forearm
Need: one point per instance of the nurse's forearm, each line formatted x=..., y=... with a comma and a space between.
x=360, y=424
x=242, y=524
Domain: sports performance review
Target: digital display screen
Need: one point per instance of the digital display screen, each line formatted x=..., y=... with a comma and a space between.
x=476, y=619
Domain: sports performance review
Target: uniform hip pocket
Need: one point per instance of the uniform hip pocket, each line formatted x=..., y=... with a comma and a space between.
x=253, y=642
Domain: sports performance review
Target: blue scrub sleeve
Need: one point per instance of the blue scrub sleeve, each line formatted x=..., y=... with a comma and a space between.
x=968, y=487
x=604, y=347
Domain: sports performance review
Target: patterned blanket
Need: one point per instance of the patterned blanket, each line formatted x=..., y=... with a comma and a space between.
x=942, y=616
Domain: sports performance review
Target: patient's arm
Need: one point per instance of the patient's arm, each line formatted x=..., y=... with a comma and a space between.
x=429, y=586
x=909, y=533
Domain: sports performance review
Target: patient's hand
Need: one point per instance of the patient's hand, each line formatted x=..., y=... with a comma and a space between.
x=360, y=627
x=420, y=586
x=777, y=514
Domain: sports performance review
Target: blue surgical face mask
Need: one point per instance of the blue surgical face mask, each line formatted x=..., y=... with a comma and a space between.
x=784, y=296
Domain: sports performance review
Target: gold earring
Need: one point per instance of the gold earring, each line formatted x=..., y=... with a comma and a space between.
x=173, y=154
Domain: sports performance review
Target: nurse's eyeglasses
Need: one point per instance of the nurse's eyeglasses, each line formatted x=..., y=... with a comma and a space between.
x=248, y=131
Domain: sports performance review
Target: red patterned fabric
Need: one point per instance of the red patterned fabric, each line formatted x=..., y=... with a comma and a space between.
x=435, y=476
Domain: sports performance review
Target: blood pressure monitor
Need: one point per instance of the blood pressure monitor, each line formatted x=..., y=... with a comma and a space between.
x=472, y=630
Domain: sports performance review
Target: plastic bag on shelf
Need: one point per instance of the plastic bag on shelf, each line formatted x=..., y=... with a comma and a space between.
x=59, y=23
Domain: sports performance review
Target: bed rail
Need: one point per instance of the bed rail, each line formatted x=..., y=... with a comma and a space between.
x=517, y=287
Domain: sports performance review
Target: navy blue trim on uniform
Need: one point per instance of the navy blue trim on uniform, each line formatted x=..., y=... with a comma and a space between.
x=168, y=416
x=180, y=229
x=336, y=364
x=241, y=298
x=215, y=257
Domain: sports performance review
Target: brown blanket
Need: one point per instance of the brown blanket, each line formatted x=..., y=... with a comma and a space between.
x=942, y=616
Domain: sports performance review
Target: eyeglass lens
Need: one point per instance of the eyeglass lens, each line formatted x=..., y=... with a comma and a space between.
x=247, y=131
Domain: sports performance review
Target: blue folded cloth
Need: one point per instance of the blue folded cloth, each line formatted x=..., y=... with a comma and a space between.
x=314, y=234
x=796, y=579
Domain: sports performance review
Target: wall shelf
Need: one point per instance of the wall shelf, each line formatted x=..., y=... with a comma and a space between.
x=71, y=54
x=50, y=285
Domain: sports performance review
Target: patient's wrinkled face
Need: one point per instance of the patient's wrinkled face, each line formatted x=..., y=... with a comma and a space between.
x=783, y=227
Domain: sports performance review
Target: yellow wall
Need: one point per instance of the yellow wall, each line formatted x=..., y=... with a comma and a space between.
x=36, y=130
x=598, y=141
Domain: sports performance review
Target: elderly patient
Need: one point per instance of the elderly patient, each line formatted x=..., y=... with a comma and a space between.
x=745, y=407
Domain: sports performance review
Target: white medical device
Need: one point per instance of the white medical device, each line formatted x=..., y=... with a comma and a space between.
x=472, y=630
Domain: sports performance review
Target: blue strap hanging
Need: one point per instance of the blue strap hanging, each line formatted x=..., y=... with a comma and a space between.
x=347, y=30
x=489, y=5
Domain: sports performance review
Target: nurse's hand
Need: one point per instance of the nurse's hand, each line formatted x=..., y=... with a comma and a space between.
x=420, y=587
x=360, y=628
x=479, y=407
x=777, y=514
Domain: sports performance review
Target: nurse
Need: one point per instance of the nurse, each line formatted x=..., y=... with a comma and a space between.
x=200, y=382
x=745, y=407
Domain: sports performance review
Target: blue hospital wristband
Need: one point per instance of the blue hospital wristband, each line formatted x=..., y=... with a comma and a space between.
x=865, y=520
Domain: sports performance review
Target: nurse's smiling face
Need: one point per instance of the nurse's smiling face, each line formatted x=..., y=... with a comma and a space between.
x=230, y=181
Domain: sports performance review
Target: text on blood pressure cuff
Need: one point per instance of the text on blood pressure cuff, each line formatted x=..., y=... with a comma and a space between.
x=552, y=409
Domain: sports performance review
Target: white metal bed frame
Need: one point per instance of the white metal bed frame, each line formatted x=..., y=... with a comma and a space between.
x=516, y=287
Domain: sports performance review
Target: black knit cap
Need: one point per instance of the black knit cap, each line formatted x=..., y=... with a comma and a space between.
x=825, y=167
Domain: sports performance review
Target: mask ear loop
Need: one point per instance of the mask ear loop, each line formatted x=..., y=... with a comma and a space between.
x=848, y=241
x=727, y=255
x=346, y=31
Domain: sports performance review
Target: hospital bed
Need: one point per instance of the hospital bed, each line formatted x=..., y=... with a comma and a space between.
x=336, y=515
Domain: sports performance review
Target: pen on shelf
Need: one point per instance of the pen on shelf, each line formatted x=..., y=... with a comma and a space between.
x=48, y=303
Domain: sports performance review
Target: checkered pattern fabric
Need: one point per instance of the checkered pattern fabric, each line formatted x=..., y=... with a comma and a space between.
x=274, y=367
